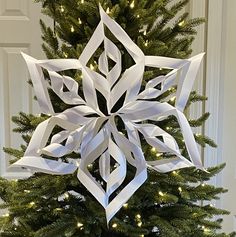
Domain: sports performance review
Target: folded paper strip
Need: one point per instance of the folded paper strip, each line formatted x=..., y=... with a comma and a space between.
x=86, y=130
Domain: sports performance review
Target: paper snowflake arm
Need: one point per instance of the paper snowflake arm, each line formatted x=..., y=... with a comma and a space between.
x=86, y=130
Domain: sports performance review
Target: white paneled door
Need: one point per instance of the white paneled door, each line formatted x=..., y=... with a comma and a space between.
x=19, y=32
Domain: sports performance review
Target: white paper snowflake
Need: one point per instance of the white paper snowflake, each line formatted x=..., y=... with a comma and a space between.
x=88, y=131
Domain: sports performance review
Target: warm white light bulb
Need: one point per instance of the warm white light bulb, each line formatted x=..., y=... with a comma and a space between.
x=79, y=225
x=108, y=10
x=161, y=193
x=79, y=20
x=58, y=209
x=91, y=66
x=145, y=32
x=72, y=29
x=138, y=216
x=139, y=224
x=180, y=189
x=32, y=204
x=62, y=9
x=181, y=23
x=146, y=43
x=125, y=205
x=132, y=5
x=114, y=225
x=158, y=154
x=82, y=1
x=153, y=149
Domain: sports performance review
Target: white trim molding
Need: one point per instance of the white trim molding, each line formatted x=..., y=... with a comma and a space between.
x=213, y=127
x=198, y=9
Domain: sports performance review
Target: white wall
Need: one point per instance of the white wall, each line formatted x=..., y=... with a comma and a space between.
x=227, y=109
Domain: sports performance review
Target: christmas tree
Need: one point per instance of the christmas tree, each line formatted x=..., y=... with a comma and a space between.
x=172, y=204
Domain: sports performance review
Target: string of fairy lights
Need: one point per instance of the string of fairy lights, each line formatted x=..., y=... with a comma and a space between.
x=138, y=217
x=108, y=11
